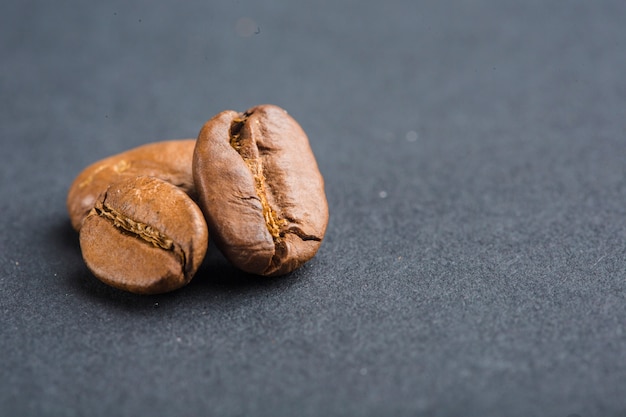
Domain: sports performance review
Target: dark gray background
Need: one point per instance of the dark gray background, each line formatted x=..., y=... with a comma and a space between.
x=475, y=161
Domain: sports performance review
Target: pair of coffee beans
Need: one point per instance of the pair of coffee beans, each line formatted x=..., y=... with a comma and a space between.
x=250, y=181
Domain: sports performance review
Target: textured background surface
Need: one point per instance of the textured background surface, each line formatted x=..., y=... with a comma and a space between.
x=475, y=160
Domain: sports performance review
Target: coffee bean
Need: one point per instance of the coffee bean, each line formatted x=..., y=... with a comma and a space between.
x=168, y=160
x=260, y=189
x=144, y=235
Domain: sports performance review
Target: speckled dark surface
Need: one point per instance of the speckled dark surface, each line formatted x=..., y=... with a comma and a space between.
x=475, y=163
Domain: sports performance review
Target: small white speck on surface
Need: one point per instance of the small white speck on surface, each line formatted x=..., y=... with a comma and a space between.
x=17, y=263
x=411, y=136
x=382, y=194
x=178, y=339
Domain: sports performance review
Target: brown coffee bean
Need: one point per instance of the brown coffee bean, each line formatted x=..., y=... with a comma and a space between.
x=168, y=160
x=260, y=189
x=144, y=235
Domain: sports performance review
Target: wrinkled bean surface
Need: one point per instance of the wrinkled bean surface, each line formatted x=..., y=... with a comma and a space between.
x=260, y=189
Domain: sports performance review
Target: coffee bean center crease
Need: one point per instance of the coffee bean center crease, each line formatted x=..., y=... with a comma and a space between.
x=273, y=222
x=141, y=230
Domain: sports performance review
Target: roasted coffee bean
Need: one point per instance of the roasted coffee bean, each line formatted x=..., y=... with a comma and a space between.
x=260, y=189
x=144, y=235
x=169, y=161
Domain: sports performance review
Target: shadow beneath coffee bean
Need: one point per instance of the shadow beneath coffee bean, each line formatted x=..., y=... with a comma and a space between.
x=84, y=282
x=66, y=262
x=64, y=235
x=217, y=275
x=216, y=279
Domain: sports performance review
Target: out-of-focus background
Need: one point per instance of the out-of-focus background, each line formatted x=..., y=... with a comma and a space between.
x=474, y=154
